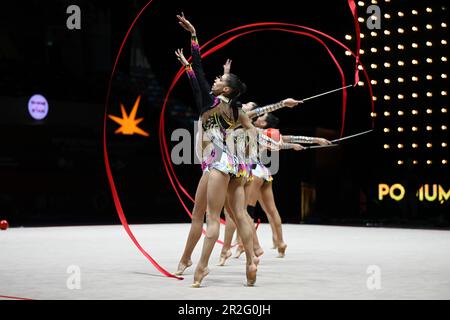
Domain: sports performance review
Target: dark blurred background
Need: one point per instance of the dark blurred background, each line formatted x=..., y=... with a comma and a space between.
x=52, y=171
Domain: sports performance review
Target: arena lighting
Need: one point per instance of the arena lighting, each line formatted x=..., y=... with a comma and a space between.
x=373, y=34
x=444, y=110
x=443, y=25
x=415, y=162
x=429, y=60
x=401, y=63
x=361, y=19
x=415, y=29
x=387, y=113
x=386, y=130
x=429, y=162
x=400, y=14
x=387, y=65
x=415, y=95
x=415, y=61
x=399, y=162
x=348, y=53
x=361, y=51
x=400, y=96
x=361, y=83
x=386, y=146
x=444, y=127
x=387, y=97
x=429, y=27
x=373, y=66
x=387, y=32
x=429, y=111
x=414, y=12
x=415, y=145
x=429, y=44
x=387, y=16
x=444, y=161
x=429, y=128
x=348, y=37
x=387, y=49
x=360, y=3
x=400, y=146
x=400, y=47
x=429, y=10
x=362, y=36
x=374, y=98
x=414, y=45
x=429, y=77
x=387, y=81
x=373, y=50
x=415, y=129
x=400, y=113
x=400, y=30
x=443, y=93
x=400, y=129
x=401, y=80
x=443, y=41
x=429, y=145
x=444, y=144
x=444, y=76
x=444, y=59
x=414, y=78
x=374, y=82
x=373, y=114
x=429, y=94
x=415, y=112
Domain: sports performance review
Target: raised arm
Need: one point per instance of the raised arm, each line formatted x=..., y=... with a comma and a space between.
x=192, y=79
x=196, y=56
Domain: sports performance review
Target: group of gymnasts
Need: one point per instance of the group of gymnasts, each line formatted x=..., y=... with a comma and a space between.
x=231, y=139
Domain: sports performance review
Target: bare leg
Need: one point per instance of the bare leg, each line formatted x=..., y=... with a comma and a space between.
x=198, y=216
x=267, y=202
x=236, y=195
x=230, y=227
x=216, y=192
x=252, y=191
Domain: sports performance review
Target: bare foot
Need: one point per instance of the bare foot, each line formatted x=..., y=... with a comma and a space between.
x=251, y=274
x=282, y=250
x=259, y=252
x=224, y=257
x=199, y=274
x=182, y=267
x=240, y=250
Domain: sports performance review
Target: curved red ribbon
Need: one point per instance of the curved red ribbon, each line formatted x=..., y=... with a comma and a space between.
x=112, y=185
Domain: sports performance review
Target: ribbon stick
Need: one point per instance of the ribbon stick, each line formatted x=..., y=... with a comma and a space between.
x=318, y=147
x=325, y=93
x=352, y=136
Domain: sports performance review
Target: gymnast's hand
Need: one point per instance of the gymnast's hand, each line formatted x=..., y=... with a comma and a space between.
x=298, y=147
x=227, y=67
x=186, y=24
x=290, y=103
x=181, y=58
x=322, y=141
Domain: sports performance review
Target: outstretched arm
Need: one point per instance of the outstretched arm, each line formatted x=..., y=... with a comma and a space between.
x=309, y=140
x=290, y=103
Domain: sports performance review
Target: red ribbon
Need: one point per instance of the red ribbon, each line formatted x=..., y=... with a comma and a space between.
x=352, y=5
x=112, y=185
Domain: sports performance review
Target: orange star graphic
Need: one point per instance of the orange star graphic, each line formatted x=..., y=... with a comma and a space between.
x=129, y=125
